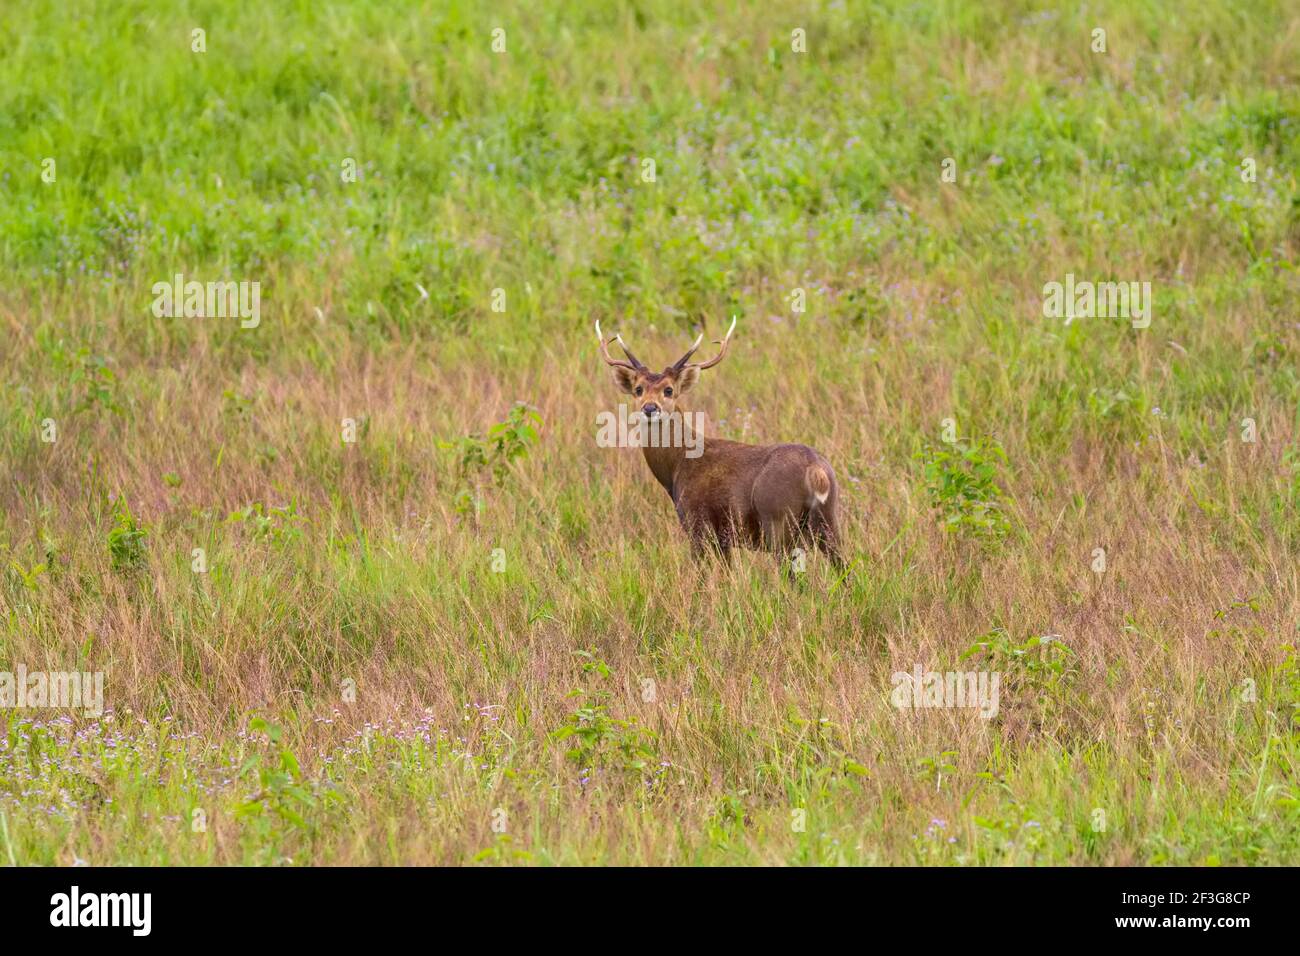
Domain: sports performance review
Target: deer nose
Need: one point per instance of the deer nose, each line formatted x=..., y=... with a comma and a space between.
x=650, y=410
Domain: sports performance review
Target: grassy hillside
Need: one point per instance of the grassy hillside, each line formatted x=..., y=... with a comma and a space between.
x=441, y=643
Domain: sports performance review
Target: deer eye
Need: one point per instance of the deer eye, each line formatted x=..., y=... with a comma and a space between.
x=639, y=390
x=668, y=392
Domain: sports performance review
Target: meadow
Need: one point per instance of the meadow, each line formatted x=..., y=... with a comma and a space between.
x=363, y=587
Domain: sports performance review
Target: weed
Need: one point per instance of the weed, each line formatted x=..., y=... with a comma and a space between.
x=126, y=539
x=962, y=481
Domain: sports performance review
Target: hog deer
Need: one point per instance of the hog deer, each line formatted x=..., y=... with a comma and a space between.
x=763, y=497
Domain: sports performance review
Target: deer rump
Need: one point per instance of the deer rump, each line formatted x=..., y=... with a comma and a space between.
x=764, y=497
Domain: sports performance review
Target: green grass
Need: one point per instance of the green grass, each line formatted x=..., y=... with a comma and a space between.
x=472, y=635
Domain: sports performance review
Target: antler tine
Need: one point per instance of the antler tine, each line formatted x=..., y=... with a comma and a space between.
x=636, y=362
x=633, y=362
x=681, y=362
x=726, y=340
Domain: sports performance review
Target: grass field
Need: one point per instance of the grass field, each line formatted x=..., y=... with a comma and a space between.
x=353, y=604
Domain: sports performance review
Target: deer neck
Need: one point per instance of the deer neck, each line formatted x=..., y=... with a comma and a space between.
x=665, y=459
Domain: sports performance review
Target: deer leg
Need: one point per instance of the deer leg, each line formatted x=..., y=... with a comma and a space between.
x=706, y=547
x=825, y=536
x=831, y=551
x=724, y=536
x=708, y=541
x=778, y=539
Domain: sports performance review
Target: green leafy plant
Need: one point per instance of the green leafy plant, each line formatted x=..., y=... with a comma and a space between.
x=813, y=756
x=1042, y=663
x=1106, y=404
x=597, y=739
x=505, y=442
x=276, y=523
x=28, y=576
x=937, y=766
x=91, y=378
x=281, y=792
x=126, y=540
x=234, y=405
x=510, y=440
x=728, y=820
x=961, y=479
x=502, y=851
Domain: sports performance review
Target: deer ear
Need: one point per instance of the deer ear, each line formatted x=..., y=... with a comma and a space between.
x=687, y=378
x=624, y=378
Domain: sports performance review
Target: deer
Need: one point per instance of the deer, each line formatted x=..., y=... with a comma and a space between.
x=731, y=494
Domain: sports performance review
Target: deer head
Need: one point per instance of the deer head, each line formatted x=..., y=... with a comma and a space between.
x=656, y=393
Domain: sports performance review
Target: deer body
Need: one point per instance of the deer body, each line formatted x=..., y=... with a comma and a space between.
x=765, y=497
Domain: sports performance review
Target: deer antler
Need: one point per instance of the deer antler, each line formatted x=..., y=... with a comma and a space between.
x=634, y=363
x=681, y=362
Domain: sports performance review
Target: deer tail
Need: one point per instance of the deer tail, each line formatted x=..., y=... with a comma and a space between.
x=818, y=481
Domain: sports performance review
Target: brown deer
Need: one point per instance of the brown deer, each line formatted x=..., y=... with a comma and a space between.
x=764, y=497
